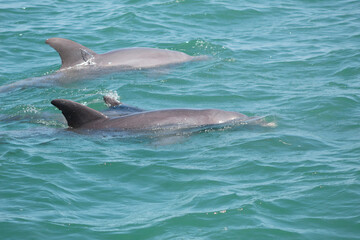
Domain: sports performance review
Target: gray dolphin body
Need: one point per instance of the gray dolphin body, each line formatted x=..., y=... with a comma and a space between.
x=74, y=54
x=80, y=62
x=79, y=116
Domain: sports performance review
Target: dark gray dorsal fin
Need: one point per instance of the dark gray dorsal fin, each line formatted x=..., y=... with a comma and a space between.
x=71, y=53
x=111, y=102
x=77, y=114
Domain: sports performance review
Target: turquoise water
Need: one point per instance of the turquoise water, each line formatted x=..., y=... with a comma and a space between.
x=296, y=62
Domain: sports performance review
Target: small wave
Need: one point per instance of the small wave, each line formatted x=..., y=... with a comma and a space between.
x=200, y=47
x=348, y=72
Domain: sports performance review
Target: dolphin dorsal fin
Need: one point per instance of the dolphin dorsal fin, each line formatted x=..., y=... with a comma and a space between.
x=77, y=114
x=71, y=53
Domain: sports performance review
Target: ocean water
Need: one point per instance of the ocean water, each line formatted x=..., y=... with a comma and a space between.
x=295, y=62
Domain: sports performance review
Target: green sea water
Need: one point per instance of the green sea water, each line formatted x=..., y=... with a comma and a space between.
x=296, y=62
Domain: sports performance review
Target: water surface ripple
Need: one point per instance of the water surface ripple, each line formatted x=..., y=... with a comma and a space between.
x=296, y=62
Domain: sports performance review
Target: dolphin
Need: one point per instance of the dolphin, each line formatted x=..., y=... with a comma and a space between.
x=117, y=108
x=82, y=117
x=79, y=62
x=74, y=54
